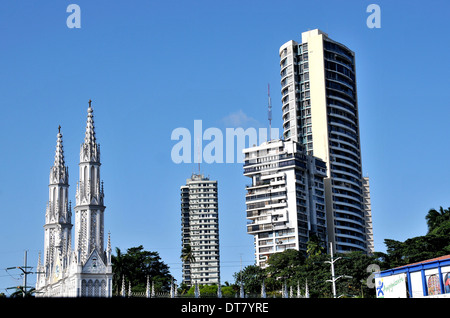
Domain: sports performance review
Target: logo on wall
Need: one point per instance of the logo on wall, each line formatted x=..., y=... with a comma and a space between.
x=380, y=286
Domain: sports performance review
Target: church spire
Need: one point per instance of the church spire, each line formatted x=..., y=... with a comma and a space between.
x=108, y=247
x=108, y=250
x=59, y=153
x=59, y=171
x=90, y=150
x=89, y=206
x=39, y=260
x=90, y=129
x=58, y=215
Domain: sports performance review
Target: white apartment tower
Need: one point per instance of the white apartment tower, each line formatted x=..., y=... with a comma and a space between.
x=200, y=231
x=86, y=270
x=285, y=200
x=320, y=111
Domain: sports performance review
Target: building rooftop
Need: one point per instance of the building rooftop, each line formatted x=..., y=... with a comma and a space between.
x=309, y=33
x=441, y=258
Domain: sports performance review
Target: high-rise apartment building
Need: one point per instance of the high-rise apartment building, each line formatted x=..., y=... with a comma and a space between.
x=200, y=231
x=285, y=200
x=320, y=111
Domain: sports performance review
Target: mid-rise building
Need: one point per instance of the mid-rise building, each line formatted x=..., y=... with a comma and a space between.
x=200, y=231
x=320, y=111
x=285, y=200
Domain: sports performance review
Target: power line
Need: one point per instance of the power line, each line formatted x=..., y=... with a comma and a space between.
x=25, y=273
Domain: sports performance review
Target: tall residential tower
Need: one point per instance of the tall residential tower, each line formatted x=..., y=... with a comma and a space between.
x=200, y=231
x=320, y=111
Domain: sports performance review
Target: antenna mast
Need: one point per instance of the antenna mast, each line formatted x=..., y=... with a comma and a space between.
x=198, y=153
x=269, y=113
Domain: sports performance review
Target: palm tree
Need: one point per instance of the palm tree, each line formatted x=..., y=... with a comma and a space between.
x=435, y=218
x=314, y=246
x=19, y=292
x=118, y=262
x=187, y=255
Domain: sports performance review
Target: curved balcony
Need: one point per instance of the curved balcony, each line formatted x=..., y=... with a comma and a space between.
x=352, y=247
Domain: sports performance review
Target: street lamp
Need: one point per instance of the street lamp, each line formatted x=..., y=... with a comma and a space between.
x=333, y=278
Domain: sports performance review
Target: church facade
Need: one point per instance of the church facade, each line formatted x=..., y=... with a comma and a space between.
x=85, y=270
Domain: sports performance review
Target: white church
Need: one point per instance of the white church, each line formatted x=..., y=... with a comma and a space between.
x=85, y=270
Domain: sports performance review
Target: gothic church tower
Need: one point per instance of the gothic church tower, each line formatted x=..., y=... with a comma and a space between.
x=58, y=225
x=86, y=270
x=89, y=207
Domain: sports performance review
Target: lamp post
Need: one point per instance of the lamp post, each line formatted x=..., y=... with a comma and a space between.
x=333, y=278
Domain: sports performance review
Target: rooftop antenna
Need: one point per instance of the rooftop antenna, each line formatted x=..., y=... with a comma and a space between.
x=269, y=113
x=198, y=154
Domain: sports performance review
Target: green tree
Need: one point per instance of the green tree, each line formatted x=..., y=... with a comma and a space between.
x=138, y=264
x=294, y=269
x=394, y=256
x=315, y=272
x=284, y=268
x=19, y=293
x=211, y=291
x=229, y=291
x=187, y=255
x=252, y=277
x=183, y=288
x=435, y=219
x=420, y=248
x=314, y=246
x=355, y=264
x=282, y=264
x=118, y=268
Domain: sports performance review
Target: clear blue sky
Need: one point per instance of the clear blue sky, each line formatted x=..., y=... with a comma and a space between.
x=152, y=66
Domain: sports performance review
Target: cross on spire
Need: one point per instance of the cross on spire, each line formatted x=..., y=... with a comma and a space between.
x=90, y=103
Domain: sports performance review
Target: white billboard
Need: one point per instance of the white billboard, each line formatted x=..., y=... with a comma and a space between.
x=393, y=286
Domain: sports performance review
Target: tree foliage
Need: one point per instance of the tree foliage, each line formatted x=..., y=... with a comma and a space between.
x=438, y=221
x=295, y=268
x=420, y=248
x=138, y=264
x=211, y=291
x=251, y=276
x=19, y=292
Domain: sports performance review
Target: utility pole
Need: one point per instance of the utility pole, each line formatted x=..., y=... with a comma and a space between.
x=333, y=278
x=25, y=272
